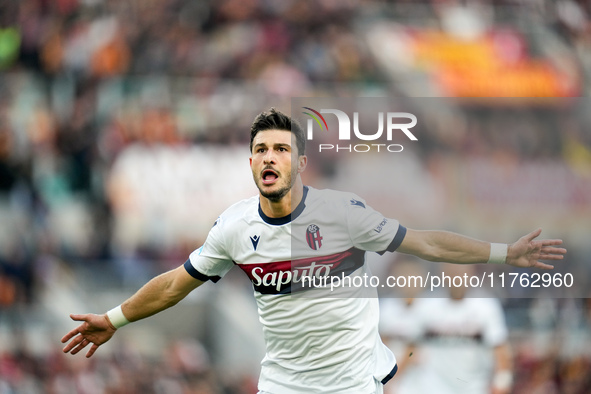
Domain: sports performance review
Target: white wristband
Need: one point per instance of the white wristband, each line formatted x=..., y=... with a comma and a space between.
x=503, y=380
x=117, y=317
x=498, y=253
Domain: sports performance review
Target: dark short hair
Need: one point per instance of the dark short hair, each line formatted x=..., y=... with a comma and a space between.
x=276, y=120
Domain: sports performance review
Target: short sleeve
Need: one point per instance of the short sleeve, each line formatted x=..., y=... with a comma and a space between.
x=211, y=261
x=370, y=230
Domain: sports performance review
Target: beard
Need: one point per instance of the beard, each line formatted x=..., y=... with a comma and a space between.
x=277, y=195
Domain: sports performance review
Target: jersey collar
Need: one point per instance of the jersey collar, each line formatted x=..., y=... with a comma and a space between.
x=285, y=219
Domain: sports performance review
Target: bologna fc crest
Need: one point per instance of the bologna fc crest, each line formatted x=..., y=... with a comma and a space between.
x=313, y=237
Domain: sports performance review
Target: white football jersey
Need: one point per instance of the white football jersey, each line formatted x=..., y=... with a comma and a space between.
x=314, y=344
x=456, y=344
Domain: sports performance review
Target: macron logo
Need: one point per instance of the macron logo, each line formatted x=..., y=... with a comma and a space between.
x=255, y=241
x=357, y=202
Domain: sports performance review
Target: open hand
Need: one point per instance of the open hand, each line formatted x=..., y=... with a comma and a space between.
x=96, y=329
x=527, y=251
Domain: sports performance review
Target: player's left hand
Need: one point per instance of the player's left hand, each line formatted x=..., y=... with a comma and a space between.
x=95, y=330
x=527, y=251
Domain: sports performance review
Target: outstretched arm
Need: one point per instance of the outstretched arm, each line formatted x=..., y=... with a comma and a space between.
x=158, y=294
x=450, y=247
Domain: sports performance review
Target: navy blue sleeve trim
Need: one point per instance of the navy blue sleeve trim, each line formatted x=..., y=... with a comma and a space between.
x=400, y=234
x=198, y=275
x=390, y=375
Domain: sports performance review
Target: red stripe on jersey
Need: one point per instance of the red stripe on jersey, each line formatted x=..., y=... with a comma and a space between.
x=290, y=265
x=277, y=277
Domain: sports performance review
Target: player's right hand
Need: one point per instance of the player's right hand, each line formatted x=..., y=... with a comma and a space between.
x=95, y=329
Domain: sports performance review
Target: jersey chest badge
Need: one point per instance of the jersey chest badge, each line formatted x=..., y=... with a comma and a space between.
x=313, y=237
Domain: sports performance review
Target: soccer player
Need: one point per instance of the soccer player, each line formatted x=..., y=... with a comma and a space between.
x=463, y=346
x=458, y=344
x=288, y=233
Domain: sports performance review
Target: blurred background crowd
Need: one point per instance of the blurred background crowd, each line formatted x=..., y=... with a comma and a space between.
x=124, y=133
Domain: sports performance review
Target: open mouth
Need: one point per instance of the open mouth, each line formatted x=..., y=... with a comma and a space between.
x=269, y=177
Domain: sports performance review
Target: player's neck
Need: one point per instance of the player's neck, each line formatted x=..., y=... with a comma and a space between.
x=283, y=207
